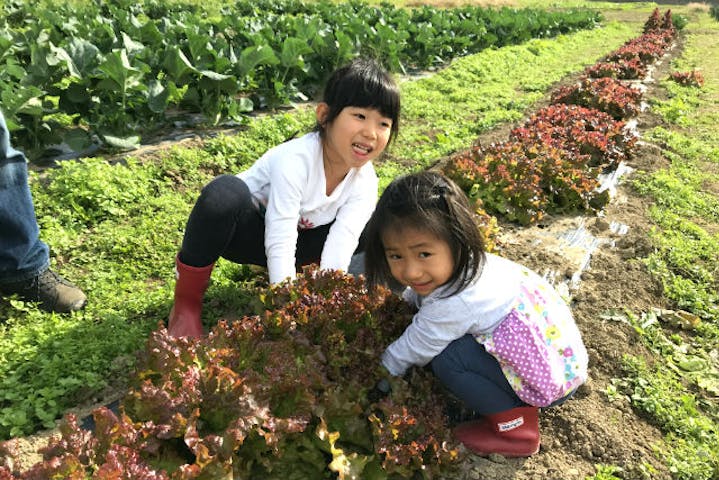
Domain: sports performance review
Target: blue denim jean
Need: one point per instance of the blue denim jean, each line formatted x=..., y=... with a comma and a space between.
x=474, y=376
x=22, y=254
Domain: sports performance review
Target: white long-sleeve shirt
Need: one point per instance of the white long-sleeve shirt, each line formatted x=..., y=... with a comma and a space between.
x=478, y=310
x=289, y=182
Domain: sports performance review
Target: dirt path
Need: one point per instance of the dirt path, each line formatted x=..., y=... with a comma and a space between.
x=590, y=429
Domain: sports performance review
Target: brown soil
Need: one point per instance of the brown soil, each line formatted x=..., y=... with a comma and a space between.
x=589, y=429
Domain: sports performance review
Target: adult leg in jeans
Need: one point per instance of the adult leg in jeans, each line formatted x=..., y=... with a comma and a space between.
x=24, y=258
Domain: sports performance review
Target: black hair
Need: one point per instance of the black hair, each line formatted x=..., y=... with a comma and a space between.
x=362, y=83
x=430, y=202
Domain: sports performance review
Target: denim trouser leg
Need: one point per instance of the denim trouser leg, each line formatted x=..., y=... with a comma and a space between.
x=475, y=377
x=22, y=254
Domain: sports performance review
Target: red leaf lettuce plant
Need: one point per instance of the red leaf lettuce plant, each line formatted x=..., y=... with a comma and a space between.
x=281, y=395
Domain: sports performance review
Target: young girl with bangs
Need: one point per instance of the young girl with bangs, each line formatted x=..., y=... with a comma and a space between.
x=496, y=334
x=306, y=200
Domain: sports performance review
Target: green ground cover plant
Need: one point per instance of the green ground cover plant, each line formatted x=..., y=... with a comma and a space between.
x=606, y=472
x=685, y=214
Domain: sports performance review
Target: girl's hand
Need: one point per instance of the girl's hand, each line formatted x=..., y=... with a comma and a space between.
x=381, y=389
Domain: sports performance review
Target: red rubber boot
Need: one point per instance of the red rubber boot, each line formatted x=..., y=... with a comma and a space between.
x=512, y=433
x=185, y=316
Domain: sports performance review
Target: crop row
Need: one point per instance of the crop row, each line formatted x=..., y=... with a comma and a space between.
x=276, y=396
x=552, y=162
x=111, y=71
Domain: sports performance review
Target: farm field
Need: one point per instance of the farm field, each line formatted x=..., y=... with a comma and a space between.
x=646, y=300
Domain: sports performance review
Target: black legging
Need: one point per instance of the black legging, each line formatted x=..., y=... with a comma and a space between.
x=225, y=222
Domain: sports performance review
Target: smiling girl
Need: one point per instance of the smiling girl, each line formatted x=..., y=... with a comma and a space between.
x=303, y=201
x=497, y=335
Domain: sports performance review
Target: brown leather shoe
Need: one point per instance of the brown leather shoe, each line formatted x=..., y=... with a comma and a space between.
x=52, y=292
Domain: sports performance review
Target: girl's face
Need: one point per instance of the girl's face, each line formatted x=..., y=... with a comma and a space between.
x=418, y=259
x=356, y=136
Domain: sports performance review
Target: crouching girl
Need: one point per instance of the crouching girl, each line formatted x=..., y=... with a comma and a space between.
x=496, y=334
